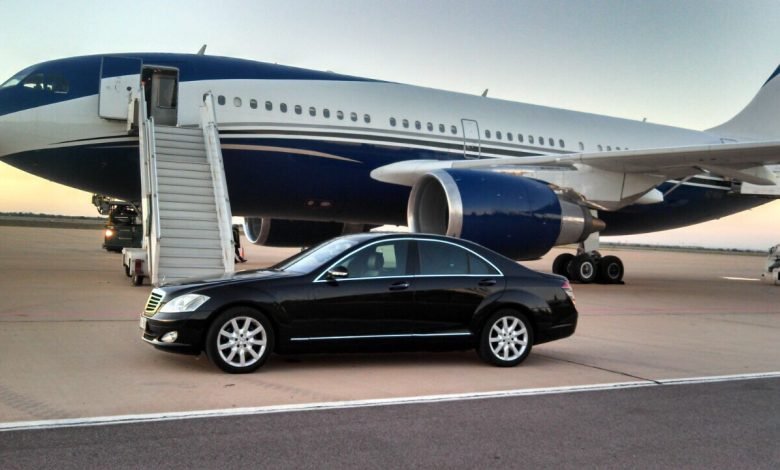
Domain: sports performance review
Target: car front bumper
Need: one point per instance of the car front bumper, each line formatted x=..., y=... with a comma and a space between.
x=190, y=334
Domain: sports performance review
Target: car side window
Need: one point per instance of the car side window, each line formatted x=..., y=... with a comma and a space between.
x=381, y=260
x=438, y=258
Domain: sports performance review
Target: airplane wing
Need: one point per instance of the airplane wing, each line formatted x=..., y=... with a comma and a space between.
x=741, y=161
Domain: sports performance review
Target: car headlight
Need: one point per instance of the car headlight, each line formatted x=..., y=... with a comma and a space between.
x=184, y=303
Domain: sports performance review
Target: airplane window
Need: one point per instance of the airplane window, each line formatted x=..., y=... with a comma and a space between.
x=560, y=142
x=405, y=123
x=367, y=118
x=417, y=125
x=430, y=126
x=339, y=115
x=298, y=109
x=498, y=135
x=269, y=106
x=441, y=128
x=609, y=148
x=221, y=100
x=353, y=116
x=601, y=149
x=237, y=102
x=617, y=148
x=519, y=137
x=509, y=136
x=530, y=139
x=312, y=111
x=326, y=113
x=283, y=107
x=551, y=141
x=541, y=140
x=487, y=133
x=582, y=146
x=392, y=121
x=253, y=104
x=453, y=129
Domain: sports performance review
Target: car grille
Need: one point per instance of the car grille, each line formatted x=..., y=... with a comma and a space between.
x=153, y=303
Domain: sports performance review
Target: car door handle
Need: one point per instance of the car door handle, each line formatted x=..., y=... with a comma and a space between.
x=400, y=285
x=487, y=282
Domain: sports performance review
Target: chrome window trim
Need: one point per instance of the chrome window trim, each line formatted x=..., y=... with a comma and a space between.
x=400, y=335
x=319, y=279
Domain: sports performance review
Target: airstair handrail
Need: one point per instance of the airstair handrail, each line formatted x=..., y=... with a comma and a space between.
x=149, y=185
x=221, y=197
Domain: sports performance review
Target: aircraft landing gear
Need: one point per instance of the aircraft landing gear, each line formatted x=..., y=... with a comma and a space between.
x=588, y=267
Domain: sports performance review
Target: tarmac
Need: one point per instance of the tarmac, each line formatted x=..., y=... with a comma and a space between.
x=70, y=345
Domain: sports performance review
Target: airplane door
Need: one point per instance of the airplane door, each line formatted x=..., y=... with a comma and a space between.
x=163, y=95
x=472, y=147
x=119, y=76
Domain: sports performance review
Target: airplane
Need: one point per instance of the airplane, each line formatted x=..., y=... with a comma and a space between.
x=313, y=154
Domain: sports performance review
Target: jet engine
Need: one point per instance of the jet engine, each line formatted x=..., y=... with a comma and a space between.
x=293, y=233
x=518, y=217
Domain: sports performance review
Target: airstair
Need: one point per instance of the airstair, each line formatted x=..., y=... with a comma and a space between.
x=185, y=205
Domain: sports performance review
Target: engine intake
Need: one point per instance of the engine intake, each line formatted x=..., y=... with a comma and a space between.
x=518, y=217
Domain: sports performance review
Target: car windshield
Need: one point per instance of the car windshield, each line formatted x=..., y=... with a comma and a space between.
x=313, y=258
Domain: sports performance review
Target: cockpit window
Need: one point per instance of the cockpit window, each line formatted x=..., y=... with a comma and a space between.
x=50, y=82
x=16, y=79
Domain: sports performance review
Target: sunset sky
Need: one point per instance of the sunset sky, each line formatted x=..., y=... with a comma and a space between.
x=691, y=64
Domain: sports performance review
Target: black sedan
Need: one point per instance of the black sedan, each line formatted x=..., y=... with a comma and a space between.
x=366, y=292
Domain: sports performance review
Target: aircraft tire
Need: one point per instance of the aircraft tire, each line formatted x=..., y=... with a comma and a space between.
x=610, y=270
x=583, y=269
x=561, y=263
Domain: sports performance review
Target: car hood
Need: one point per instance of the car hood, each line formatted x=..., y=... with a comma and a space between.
x=227, y=278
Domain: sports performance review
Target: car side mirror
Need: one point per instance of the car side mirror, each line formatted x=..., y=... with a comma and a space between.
x=339, y=272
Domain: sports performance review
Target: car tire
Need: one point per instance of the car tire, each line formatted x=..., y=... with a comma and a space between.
x=137, y=280
x=506, y=339
x=239, y=340
x=583, y=269
x=610, y=270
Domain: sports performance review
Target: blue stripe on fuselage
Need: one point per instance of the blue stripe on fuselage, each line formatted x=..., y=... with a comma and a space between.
x=294, y=185
x=83, y=75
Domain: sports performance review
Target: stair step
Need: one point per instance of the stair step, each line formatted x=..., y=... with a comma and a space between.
x=178, y=130
x=181, y=136
x=183, y=174
x=167, y=243
x=194, y=165
x=173, y=275
x=210, y=208
x=181, y=155
x=205, y=190
x=171, y=262
x=200, y=253
x=171, y=234
x=166, y=196
x=163, y=144
x=190, y=224
x=177, y=185
x=187, y=215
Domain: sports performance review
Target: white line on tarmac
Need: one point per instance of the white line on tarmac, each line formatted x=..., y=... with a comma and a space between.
x=728, y=278
x=179, y=415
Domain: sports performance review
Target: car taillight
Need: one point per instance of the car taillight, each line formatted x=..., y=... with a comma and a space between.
x=109, y=233
x=569, y=291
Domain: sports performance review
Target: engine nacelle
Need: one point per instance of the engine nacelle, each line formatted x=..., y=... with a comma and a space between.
x=518, y=217
x=293, y=233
